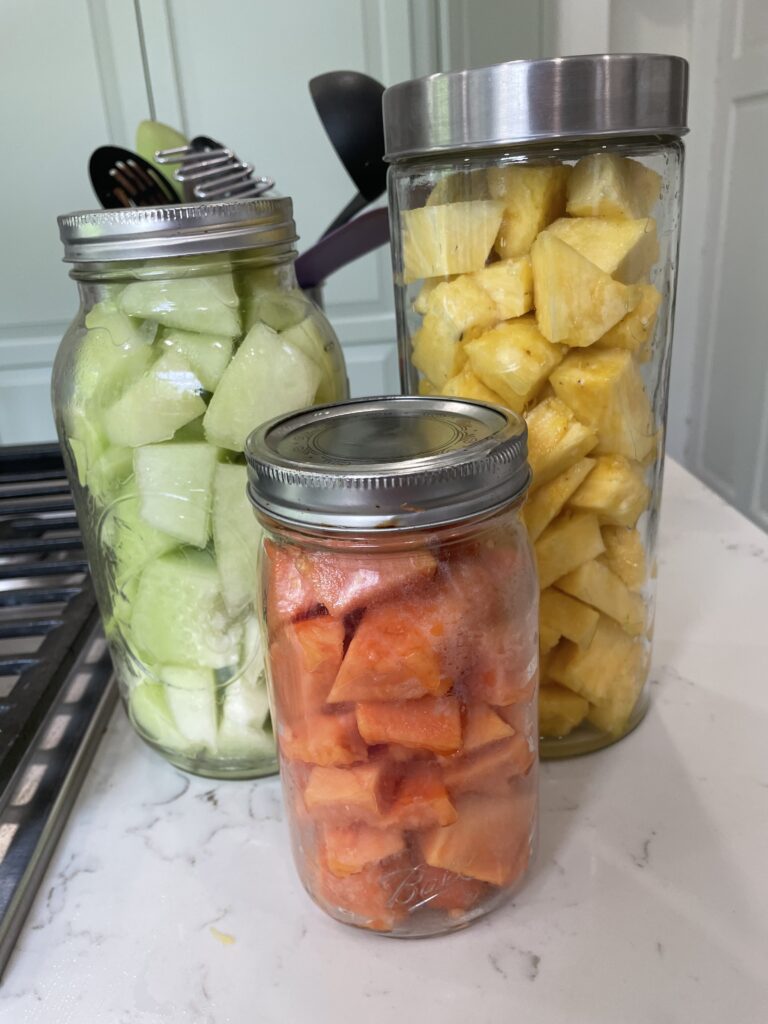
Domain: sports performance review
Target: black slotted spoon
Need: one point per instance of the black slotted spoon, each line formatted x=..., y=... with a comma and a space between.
x=121, y=178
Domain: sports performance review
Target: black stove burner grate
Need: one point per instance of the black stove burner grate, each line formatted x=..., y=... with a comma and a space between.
x=56, y=686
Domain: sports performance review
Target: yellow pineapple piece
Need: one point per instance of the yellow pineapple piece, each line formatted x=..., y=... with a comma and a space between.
x=576, y=302
x=513, y=360
x=556, y=440
x=625, y=249
x=615, y=491
x=612, y=666
x=595, y=585
x=559, y=613
x=606, y=185
x=453, y=307
x=510, y=284
x=624, y=555
x=548, y=640
x=460, y=188
x=533, y=198
x=549, y=500
x=437, y=351
x=605, y=390
x=635, y=331
x=466, y=385
x=426, y=387
x=420, y=302
x=573, y=538
x=452, y=238
x=560, y=710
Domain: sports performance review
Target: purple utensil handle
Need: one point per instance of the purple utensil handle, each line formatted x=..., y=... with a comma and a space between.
x=352, y=240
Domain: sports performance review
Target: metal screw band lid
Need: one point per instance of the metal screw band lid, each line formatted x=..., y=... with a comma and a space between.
x=595, y=96
x=399, y=463
x=187, y=229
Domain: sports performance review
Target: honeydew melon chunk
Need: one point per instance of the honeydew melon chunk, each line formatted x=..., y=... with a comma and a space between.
x=236, y=536
x=268, y=376
x=308, y=337
x=191, y=696
x=165, y=398
x=109, y=473
x=244, y=728
x=207, y=354
x=179, y=617
x=206, y=305
x=175, y=483
x=130, y=540
x=148, y=707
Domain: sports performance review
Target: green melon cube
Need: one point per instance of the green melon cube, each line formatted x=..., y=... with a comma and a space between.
x=191, y=696
x=207, y=305
x=175, y=482
x=148, y=707
x=236, y=536
x=207, y=354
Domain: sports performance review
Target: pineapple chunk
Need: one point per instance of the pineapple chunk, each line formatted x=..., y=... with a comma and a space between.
x=606, y=185
x=463, y=304
x=605, y=391
x=426, y=387
x=560, y=710
x=466, y=385
x=635, y=331
x=596, y=585
x=460, y=188
x=625, y=249
x=568, y=617
x=510, y=284
x=453, y=238
x=436, y=350
x=452, y=308
x=420, y=302
x=612, y=666
x=576, y=302
x=533, y=198
x=556, y=440
x=573, y=538
x=624, y=555
x=549, y=500
x=615, y=491
x=513, y=360
x=548, y=640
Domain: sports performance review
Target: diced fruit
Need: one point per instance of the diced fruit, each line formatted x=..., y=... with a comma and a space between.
x=175, y=483
x=207, y=305
x=236, y=536
x=244, y=727
x=576, y=302
x=596, y=585
x=509, y=283
x=605, y=391
x=349, y=849
x=290, y=591
x=567, y=617
x=571, y=540
x=114, y=352
x=549, y=500
x=437, y=351
x=267, y=376
x=207, y=354
x=129, y=539
x=503, y=663
x=427, y=388
x=612, y=664
x=367, y=896
x=420, y=302
x=325, y=740
x=429, y=723
x=464, y=302
x=345, y=583
x=154, y=407
x=439, y=889
x=420, y=799
x=625, y=555
x=483, y=726
x=148, y=707
x=613, y=715
x=607, y=185
x=191, y=695
x=533, y=197
x=615, y=491
x=346, y=795
x=635, y=331
x=460, y=188
x=548, y=640
x=560, y=710
x=308, y=337
x=483, y=843
x=466, y=385
x=178, y=614
x=489, y=769
x=452, y=238
x=110, y=472
x=624, y=249
x=305, y=658
x=513, y=360
x=556, y=440
x=277, y=309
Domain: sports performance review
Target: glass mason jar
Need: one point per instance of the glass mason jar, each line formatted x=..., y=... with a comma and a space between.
x=400, y=615
x=191, y=331
x=535, y=210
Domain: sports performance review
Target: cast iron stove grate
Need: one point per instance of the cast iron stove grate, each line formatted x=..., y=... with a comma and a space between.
x=56, y=685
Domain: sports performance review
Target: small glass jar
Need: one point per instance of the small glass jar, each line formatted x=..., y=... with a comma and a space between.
x=191, y=331
x=535, y=212
x=400, y=615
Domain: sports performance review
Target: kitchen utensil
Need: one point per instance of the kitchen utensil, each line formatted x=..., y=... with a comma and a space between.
x=341, y=246
x=349, y=105
x=121, y=178
x=210, y=170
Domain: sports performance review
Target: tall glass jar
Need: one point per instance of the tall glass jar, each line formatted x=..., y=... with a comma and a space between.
x=191, y=331
x=535, y=211
x=400, y=615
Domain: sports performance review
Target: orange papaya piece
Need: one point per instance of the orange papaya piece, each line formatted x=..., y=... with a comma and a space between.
x=290, y=592
x=504, y=663
x=346, y=795
x=428, y=723
x=484, y=843
x=445, y=890
x=324, y=740
x=368, y=897
x=523, y=717
x=304, y=658
x=346, y=582
x=350, y=848
x=420, y=800
x=482, y=725
x=398, y=754
x=489, y=769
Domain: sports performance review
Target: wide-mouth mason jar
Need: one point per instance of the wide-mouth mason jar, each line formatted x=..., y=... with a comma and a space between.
x=400, y=617
x=535, y=213
x=191, y=331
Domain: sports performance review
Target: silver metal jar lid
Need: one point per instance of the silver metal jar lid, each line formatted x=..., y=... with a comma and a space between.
x=596, y=96
x=387, y=464
x=187, y=229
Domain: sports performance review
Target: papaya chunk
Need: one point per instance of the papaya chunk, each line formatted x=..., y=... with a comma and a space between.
x=445, y=890
x=346, y=795
x=367, y=896
x=504, y=663
x=420, y=800
x=490, y=768
x=429, y=723
x=483, y=725
x=350, y=848
x=345, y=583
x=305, y=657
x=485, y=842
x=290, y=593
x=324, y=740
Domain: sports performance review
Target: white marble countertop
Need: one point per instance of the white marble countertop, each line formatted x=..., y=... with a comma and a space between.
x=173, y=900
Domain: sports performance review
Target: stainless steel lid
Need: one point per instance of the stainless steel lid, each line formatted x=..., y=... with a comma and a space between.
x=595, y=96
x=387, y=463
x=184, y=230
